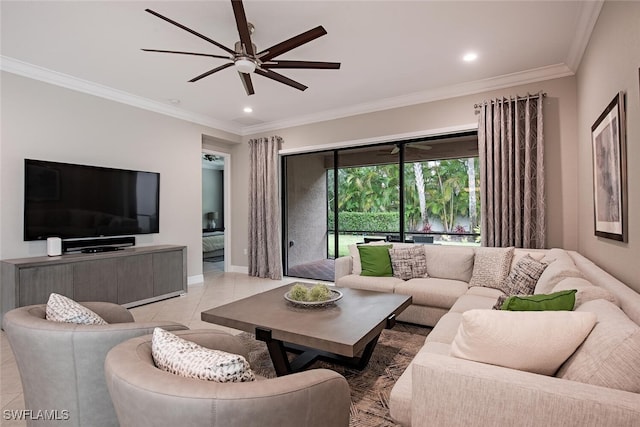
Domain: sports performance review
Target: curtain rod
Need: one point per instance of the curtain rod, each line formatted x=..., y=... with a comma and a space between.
x=517, y=98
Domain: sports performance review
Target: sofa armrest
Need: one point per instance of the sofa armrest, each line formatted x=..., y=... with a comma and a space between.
x=343, y=267
x=448, y=391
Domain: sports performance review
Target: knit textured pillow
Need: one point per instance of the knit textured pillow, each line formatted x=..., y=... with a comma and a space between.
x=188, y=359
x=491, y=266
x=63, y=309
x=408, y=263
x=524, y=276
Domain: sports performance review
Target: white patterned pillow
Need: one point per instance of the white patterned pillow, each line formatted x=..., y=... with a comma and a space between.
x=408, y=263
x=188, y=359
x=523, y=277
x=491, y=266
x=63, y=309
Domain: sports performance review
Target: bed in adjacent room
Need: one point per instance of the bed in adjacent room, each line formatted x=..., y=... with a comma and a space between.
x=213, y=246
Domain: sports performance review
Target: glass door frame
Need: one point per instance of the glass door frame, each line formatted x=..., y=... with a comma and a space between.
x=401, y=144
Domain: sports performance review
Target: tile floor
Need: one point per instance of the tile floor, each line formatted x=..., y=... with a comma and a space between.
x=218, y=288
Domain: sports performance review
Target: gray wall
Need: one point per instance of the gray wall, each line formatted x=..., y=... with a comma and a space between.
x=560, y=144
x=306, y=208
x=43, y=121
x=611, y=63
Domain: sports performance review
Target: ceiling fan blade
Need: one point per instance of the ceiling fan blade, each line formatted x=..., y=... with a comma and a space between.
x=243, y=26
x=187, y=53
x=195, y=33
x=301, y=64
x=291, y=43
x=280, y=78
x=208, y=73
x=246, y=82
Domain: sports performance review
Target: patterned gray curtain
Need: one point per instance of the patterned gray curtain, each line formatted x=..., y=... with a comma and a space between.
x=511, y=146
x=264, y=209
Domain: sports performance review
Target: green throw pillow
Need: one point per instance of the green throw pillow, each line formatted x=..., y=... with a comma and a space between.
x=563, y=300
x=375, y=260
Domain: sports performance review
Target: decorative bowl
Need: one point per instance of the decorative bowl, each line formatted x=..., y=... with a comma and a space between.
x=335, y=296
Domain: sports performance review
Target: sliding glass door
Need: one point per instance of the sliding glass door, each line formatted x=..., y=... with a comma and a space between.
x=422, y=190
x=305, y=216
x=368, y=198
x=441, y=191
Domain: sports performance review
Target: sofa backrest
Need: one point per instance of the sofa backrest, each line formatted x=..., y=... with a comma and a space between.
x=450, y=262
x=627, y=299
x=610, y=355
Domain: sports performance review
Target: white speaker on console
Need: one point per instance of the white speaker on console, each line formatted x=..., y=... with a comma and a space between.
x=54, y=246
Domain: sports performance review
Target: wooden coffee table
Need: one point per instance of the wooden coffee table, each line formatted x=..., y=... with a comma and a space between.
x=345, y=332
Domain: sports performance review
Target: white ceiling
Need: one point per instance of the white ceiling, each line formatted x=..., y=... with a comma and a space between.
x=393, y=53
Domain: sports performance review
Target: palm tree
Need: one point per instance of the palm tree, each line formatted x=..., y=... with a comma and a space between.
x=445, y=182
x=417, y=170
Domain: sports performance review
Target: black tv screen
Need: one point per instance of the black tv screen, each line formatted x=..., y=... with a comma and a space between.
x=73, y=201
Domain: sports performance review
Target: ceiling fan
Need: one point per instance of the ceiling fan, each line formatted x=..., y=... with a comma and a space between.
x=245, y=56
x=396, y=148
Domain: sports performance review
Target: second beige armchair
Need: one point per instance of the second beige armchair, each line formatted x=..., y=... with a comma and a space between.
x=144, y=395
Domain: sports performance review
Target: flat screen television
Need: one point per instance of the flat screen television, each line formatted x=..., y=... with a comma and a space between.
x=74, y=201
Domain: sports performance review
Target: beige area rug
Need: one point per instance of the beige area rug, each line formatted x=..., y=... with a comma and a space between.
x=370, y=388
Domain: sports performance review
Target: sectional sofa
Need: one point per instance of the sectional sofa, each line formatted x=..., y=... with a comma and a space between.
x=599, y=384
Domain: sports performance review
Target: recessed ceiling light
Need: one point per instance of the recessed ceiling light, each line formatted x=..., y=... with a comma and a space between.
x=470, y=57
x=248, y=110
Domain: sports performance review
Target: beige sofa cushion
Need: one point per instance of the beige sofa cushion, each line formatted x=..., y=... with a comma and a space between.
x=560, y=266
x=369, y=283
x=485, y=292
x=469, y=302
x=432, y=292
x=449, y=262
x=586, y=290
x=518, y=253
x=610, y=356
x=446, y=328
x=532, y=341
x=491, y=266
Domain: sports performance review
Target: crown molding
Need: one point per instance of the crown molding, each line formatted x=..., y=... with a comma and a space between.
x=586, y=22
x=25, y=69
x=470, y=88
x=15, y=66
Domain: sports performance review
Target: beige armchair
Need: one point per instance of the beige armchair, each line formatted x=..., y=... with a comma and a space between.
x=145, y=396
x=61, y=365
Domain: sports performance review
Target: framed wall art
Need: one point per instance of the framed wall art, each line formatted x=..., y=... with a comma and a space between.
x=610, y=171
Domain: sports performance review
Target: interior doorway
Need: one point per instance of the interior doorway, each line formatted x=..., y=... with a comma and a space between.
x=215, y=218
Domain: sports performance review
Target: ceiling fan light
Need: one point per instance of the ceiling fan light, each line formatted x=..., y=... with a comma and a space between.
x=245, y=65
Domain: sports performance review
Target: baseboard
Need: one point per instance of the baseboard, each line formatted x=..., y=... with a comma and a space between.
x=198, y=278
x=239, y=269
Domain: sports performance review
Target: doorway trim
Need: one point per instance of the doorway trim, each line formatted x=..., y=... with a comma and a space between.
x=226, y=174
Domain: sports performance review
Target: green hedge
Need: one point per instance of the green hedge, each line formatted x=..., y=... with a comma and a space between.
x=366, y=221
